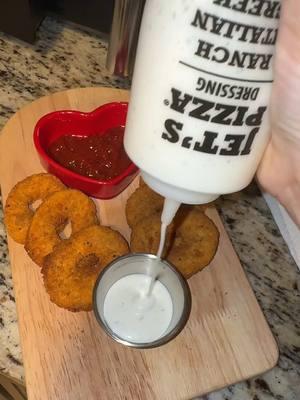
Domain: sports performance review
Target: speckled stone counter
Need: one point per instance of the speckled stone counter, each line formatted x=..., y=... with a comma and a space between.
x=66, y=56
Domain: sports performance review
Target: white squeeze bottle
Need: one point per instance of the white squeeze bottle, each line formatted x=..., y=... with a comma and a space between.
x=198, y=119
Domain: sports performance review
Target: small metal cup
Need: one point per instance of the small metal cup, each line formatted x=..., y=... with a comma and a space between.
x=167, y=275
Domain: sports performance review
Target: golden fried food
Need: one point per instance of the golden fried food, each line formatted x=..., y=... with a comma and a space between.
x=205, y=206
x=143, y=202
x=192, y=242
x=70, y=272
x=49, y=220
x=196, y=241
x=145, y=235
x=18, y=211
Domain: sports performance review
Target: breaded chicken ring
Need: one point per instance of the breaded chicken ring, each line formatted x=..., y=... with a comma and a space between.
x=145, y=236
x=51, y=218
x=196, y=241
x=191, y=245
x=18, y=213
x=70, y=272
x=144, y=202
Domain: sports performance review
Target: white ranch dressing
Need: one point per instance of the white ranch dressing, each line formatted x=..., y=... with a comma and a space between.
x=138, y=307
x=134, y=315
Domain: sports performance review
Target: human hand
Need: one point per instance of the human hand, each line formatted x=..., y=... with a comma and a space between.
x=279, y=170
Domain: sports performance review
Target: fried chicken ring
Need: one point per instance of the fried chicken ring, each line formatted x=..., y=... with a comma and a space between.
x=190, y=247
x=145, y=235
x=196, y=241
x=52, y=216
x=18, y=213
x=70, y=272
x=144, y=202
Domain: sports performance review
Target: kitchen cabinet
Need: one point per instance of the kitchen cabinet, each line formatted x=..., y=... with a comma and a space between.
x=96, y=14
x=21, y=18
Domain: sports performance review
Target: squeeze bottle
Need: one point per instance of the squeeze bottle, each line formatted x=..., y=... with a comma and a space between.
x=198, y=119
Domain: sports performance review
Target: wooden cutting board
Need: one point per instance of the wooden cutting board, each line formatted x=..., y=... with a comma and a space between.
x=68, y=357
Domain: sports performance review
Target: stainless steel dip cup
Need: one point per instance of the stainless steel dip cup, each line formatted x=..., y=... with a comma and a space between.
x=167, y=275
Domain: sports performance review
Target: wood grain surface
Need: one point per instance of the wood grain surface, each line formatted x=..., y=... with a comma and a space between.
x=68, y=357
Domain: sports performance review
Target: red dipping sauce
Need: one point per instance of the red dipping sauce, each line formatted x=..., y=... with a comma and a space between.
x=100, y=156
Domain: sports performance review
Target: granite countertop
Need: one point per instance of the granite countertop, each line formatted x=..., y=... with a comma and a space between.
x=66, y=56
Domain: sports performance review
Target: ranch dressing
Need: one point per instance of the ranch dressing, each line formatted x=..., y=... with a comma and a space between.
x=138, y=307
x=134, y=315
x=169, y=210
x=198, y=119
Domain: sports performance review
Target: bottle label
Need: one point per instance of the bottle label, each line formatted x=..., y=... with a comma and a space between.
x=231, y=47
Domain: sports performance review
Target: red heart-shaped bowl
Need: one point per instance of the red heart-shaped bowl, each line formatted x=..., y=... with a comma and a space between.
x=51, y=126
